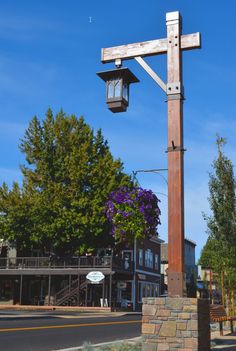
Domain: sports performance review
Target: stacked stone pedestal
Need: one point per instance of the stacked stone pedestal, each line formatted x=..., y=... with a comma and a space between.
x=176, y=324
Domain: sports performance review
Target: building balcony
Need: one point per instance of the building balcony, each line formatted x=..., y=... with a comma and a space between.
x=21, y=265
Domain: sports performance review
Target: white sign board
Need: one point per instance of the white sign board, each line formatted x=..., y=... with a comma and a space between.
x=95, y=277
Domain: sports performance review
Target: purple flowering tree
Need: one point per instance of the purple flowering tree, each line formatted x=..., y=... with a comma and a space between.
x=133, y=214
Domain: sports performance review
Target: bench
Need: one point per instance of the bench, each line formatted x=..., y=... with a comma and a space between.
x=218, y=314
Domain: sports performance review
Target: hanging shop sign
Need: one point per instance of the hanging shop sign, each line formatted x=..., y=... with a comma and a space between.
x=95, y=277
x=121, y=285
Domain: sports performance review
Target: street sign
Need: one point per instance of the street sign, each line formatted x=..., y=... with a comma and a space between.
x=95, y=276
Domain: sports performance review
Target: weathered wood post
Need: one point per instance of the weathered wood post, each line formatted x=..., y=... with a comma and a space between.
x=176, y=275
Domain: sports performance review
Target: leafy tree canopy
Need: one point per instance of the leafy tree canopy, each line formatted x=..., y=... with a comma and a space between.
x=222, y=224
x=219, y=253
x=68, y=175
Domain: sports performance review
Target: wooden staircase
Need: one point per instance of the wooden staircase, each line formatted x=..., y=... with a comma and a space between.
x=69, y=296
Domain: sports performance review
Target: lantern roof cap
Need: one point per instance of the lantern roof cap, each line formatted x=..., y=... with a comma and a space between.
x=124, y=73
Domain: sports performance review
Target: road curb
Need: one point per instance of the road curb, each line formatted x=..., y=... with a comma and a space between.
x=55, y=308
x=129, y=341
x=82, y=310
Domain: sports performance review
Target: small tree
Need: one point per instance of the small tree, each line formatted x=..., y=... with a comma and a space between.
x=221, y=224
x=219, y=252
x=133, y=214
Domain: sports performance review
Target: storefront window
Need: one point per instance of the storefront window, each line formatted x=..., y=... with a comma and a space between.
x=126, y=295
x=156, y=290
x=157, y=262
x=127, y=257
x=148, y=290
x=140, y=257
x=6, y=290
x=148, y=258
x=142, y=291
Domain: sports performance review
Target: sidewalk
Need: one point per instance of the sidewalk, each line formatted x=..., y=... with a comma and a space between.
x=224, y=343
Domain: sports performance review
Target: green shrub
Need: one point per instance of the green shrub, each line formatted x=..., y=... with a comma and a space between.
x=115, y=347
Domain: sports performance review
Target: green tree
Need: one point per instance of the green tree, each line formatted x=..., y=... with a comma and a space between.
x=210, y=254
x=16, y=217
x=219, y=253
x=221, y=224
x=68, y=176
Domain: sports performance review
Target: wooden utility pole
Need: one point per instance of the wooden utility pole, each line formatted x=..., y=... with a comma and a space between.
x=173, y=46
x=176, y=275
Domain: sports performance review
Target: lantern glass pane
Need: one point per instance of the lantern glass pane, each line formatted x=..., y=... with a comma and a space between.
x=117, y=88
x=110, y=89
x=126, y=91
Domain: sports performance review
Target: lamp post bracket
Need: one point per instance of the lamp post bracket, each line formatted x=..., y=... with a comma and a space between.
x=151, y=73
x=176, y=148
x=174, y=88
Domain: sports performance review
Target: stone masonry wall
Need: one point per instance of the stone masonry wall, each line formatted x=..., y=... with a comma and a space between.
x=175, y=324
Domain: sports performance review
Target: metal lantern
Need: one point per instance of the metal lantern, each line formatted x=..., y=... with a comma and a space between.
x=117, y=88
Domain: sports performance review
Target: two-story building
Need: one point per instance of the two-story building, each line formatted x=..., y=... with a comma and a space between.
x=115, y=278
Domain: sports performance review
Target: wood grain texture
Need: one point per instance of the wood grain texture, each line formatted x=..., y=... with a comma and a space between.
x=147, y=48
x=176, y=284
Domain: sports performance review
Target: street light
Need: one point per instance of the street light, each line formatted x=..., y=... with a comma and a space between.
x=117, y=88
x=156, y=171
x=173, y=45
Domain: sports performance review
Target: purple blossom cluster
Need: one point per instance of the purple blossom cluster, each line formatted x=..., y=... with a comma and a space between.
x=134, y=210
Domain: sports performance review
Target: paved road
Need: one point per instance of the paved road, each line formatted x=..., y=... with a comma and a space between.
x=53, y=332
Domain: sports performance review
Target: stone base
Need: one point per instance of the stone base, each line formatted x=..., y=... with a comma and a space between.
x=175, y=324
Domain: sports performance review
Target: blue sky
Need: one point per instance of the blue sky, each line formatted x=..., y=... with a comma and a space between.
x=49, y=56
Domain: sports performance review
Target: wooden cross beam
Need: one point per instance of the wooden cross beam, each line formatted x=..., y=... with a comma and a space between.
x=148, y=48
